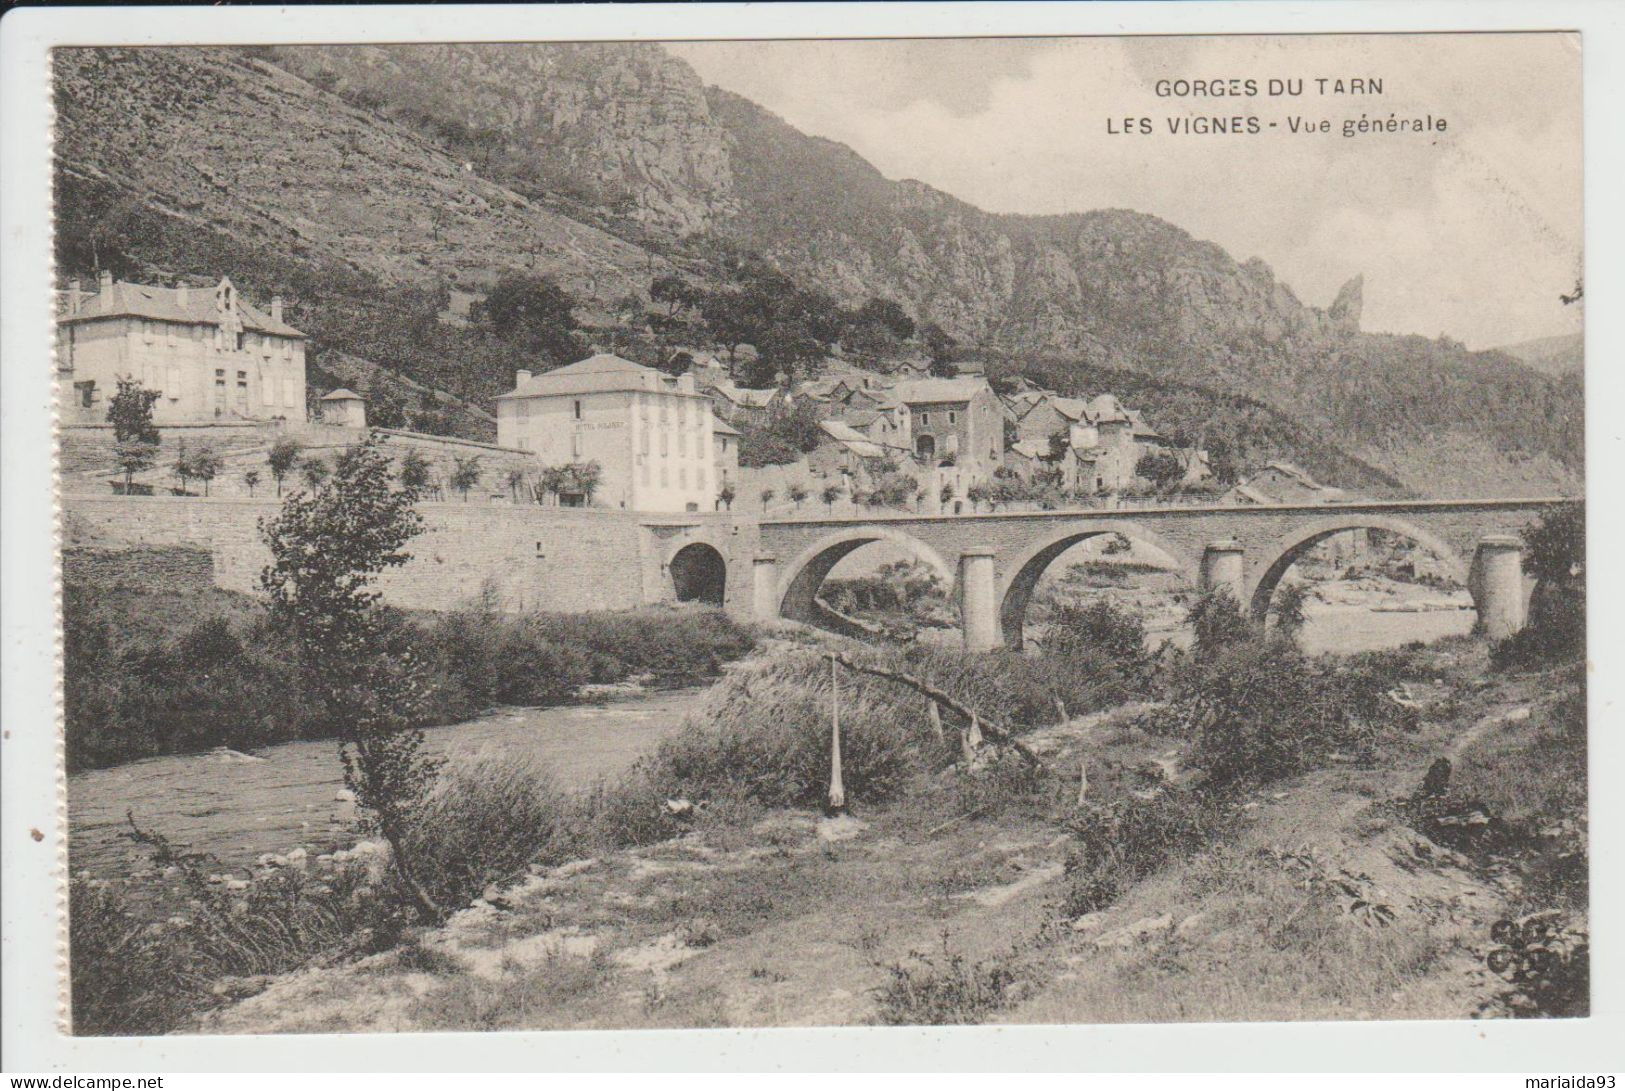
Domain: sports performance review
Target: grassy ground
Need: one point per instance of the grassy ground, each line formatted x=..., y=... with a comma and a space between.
x=1321, y=900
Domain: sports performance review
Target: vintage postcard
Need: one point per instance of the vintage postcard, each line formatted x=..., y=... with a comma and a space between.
x=566, y=535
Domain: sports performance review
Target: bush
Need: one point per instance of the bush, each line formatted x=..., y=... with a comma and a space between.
x=1259, y=710
x=931, y=990
x=488, y=818
x=766, y=733
x=1097, y=626
x=1217, y=623
x=1119, y=843
x=139, y=682
x=132, y=973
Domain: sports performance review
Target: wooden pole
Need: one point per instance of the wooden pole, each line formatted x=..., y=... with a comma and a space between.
x=998, y=734
x=1083, y=781
x=837, y=790
x=971, y=738
x=934, y=712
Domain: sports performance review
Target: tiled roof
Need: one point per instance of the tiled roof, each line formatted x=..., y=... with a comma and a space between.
x=933, y=391
x=125, y=300
x=342, y=394
x=720, y=425
x=853, y=440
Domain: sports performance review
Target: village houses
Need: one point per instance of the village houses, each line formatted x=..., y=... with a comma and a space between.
x=209, y=353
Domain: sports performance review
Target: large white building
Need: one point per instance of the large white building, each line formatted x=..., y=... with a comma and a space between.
x=650, y=433
x=211, y=355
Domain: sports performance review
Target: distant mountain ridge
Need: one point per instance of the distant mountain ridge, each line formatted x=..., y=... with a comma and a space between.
x=1558, y=355
x=411, y=168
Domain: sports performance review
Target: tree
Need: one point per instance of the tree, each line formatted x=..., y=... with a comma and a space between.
x=675, y=294
x=893, y=490
x=726, y=494
x=889, y=315
x=284, y=453
x=251, y=478
x=206, y=466
x=466, y=475
x=533, y=313
x=945, y=494
x=1217, y=623
x=786, y=346
x=941, y=348
x=1162, y=468
x=414, y=471
x=386, y=409
x=798, y=493
x=977, y=493
x=515, y=480
x=767, y=497
x=135, y=439
x=182, y=467
x=327, y=547
x=831, y=494
x=315, y=471
x=1288, y=608
x=581, y=479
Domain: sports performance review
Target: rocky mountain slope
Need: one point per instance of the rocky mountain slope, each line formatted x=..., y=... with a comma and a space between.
x=360, y=181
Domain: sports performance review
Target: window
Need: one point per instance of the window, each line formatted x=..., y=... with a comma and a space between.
x=87, y=393
x=953, y=418
x=578, y=409
x=925, y=418
x=241, y=340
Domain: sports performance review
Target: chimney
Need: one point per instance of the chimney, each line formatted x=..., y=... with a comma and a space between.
x=106, y=287
x=522, y=377
x=75, y=298
x=276, y=308
x=182, y=296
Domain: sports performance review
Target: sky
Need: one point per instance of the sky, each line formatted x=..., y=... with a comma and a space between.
x=1472, y=232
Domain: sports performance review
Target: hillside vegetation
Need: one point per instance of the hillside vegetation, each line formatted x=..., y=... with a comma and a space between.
x=365, y=183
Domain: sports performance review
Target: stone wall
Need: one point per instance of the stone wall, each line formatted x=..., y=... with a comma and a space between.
x=527, y=556
x=157, y=567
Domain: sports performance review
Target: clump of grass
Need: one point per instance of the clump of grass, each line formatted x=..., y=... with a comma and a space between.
x=942, y=989
x=1121, y=842
x=488, y=818
x=134, y=974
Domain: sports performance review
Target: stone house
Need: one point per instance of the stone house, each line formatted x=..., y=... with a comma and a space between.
x=211, y=355
x=725, y=450
x=649, y=432
x=955, y=421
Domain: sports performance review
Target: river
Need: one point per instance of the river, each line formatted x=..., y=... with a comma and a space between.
x=238, y=806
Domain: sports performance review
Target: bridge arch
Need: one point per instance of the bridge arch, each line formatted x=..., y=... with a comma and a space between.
x=1288, y=549
x=798, y=588
x=1029, y=566
x=699, y=573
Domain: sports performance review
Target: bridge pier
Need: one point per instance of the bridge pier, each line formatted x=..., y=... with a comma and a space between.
x=765, y=588
x=978, y=600
x=1222, y=569
x=1498, y=586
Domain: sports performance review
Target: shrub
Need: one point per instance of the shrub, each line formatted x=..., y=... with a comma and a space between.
x=766, y=732
x=1099, y=625
x=937, y=990
x=1259, y=710
x=1216, y=623
x=1119, y=843
x=488, y=818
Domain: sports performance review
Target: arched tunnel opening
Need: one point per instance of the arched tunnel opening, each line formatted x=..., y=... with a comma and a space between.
x=699, y=574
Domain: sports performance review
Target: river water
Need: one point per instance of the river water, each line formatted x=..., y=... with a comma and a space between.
x=238, y=806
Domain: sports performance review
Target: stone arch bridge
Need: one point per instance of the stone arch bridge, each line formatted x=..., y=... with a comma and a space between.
x=995, y=560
